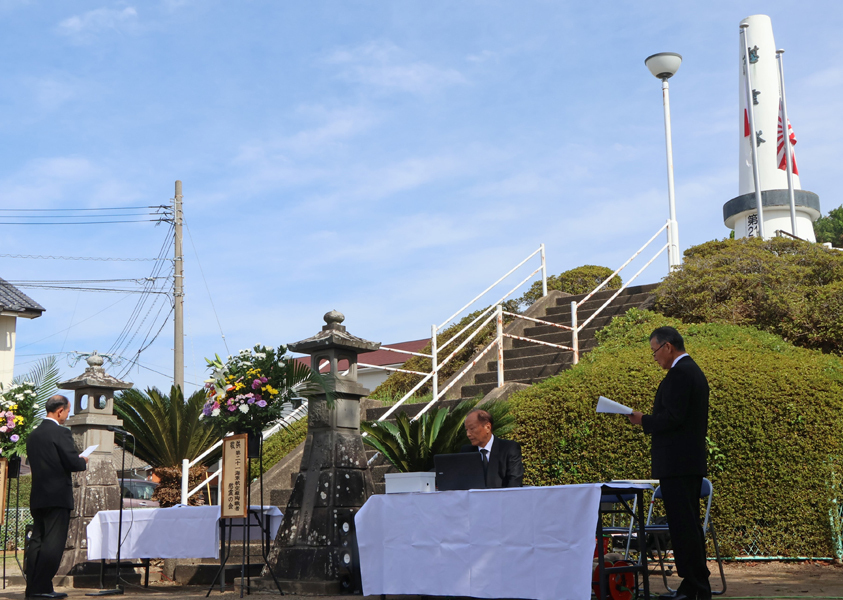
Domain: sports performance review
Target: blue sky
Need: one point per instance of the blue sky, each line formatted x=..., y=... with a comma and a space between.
x=388, y=160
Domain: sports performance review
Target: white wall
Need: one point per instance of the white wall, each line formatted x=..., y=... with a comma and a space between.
x=7, y=349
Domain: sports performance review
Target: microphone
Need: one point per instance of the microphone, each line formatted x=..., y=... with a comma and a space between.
x=118, y=430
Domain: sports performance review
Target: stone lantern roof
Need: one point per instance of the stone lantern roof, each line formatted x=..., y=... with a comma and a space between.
x=334, y=335
x=95, y=377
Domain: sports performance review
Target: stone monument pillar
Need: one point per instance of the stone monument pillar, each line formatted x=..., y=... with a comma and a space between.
x=96, y=488
x=315, y=551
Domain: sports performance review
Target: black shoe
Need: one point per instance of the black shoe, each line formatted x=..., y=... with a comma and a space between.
x=48, y=595
x=674, y=596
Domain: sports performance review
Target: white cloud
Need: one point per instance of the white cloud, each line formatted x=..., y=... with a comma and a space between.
x=384, y=65
x=82, y=27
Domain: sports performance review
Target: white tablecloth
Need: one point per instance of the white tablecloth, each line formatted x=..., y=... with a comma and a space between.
x=176, y=532
x=512, y=543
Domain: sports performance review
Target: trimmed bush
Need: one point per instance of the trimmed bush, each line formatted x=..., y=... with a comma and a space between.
x=775, y=422
x=791, y=288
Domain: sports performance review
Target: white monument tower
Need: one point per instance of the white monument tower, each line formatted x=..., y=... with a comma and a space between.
x=766, y=165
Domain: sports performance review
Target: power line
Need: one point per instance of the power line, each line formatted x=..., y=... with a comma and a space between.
x=211, y=298
x=162, y=206
x=104, y=258
x=75, y=324
x=148, y=214
x=83, y=222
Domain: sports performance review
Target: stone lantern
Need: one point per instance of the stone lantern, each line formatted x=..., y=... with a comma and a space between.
x=315, y=551
x=97, y=488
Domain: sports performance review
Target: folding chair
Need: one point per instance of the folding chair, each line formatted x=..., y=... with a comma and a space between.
x=609, y=505
x=706, y=491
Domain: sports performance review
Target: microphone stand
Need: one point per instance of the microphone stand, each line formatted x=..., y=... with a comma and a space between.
x=118, y=589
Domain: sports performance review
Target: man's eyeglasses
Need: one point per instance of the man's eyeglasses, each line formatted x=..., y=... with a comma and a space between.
x=657, y=349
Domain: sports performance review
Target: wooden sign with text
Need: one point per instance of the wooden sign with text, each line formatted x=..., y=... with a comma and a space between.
x=4, y=482
x=235, y=471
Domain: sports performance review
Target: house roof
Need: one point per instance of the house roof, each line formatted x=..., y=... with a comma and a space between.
x=12, y=300
x=382, y=358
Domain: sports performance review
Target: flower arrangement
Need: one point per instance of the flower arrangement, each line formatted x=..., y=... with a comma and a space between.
x=247, y=391
x=18, y=408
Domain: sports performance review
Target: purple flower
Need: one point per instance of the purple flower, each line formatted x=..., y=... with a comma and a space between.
x=256, y=384
x=232, y=408
x=264, y=379
x=15, y=438
x=251, y=400
x=261, y=403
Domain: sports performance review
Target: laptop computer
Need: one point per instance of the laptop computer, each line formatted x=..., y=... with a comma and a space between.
x=462, y=471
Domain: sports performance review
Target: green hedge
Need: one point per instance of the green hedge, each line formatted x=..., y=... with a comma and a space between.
x=775, y=423
x=791, y=288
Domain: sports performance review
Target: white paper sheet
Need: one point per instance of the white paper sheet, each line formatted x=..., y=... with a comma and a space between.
x=89, y=450
x=604, y=405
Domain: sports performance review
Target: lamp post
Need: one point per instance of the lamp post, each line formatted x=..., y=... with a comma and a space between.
x=664, y=66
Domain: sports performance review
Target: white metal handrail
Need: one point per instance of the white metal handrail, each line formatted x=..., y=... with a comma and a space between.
x=510, y=272
x=623, y=266
x=526, y=318
x=390, y=369
x=576, y=329
x=388, y=349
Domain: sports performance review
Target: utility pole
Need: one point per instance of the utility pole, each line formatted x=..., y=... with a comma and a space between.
x=178, y=295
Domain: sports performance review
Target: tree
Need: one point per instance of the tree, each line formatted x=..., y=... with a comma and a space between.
x=830, y=228
x=167, y=430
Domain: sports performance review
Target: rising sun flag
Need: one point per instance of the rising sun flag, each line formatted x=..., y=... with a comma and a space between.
x=781, y=156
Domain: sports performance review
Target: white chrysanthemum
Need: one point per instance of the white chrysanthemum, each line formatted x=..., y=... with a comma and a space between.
x=215, y=412
x=260, y=355
x=244, y=408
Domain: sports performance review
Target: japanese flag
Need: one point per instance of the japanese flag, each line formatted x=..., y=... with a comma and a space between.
x=781, y=155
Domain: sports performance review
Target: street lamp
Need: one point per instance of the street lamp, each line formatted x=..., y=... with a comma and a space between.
x=664, y=66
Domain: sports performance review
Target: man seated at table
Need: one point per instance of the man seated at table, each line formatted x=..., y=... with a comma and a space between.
x=501, y=458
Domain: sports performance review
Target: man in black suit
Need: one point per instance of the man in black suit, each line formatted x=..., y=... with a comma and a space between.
x=678, y=427
x=501, y=458
x=52, y=457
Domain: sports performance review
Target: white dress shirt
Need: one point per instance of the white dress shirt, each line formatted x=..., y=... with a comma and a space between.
x=678, y=358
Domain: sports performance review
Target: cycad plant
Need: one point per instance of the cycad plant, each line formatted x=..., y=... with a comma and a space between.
x=166, y=430
x=411, y=445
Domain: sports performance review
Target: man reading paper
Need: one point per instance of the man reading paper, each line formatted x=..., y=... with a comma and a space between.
x=678, y=427
x=53, y=457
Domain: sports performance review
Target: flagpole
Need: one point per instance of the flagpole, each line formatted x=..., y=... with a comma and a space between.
x=753, y=141
x=788, y=151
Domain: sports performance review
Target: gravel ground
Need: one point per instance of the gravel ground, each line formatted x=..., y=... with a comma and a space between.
x=744, y=580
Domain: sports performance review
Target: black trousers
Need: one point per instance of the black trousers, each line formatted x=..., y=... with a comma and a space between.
x=49, y=536
x=681, y=497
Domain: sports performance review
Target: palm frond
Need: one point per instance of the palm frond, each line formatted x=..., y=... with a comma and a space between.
x=45, y=376
x=167, y=429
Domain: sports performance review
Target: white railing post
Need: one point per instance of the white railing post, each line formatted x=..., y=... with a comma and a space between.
x=544, y=274
x=185, y=470
x=500, y=344
x=575, y=342
x=433, y=361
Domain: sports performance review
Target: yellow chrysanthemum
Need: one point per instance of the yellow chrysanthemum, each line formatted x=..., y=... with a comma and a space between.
x=18, y=420
x=270, y=390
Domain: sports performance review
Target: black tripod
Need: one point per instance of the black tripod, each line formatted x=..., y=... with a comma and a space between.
x=118, y=589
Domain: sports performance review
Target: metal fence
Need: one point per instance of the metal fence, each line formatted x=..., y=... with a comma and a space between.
x=16, y=521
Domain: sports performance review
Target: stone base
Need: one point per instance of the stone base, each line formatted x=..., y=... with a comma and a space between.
x=264, y=585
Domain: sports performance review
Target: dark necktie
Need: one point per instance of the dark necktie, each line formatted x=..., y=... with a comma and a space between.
x=485, y=454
